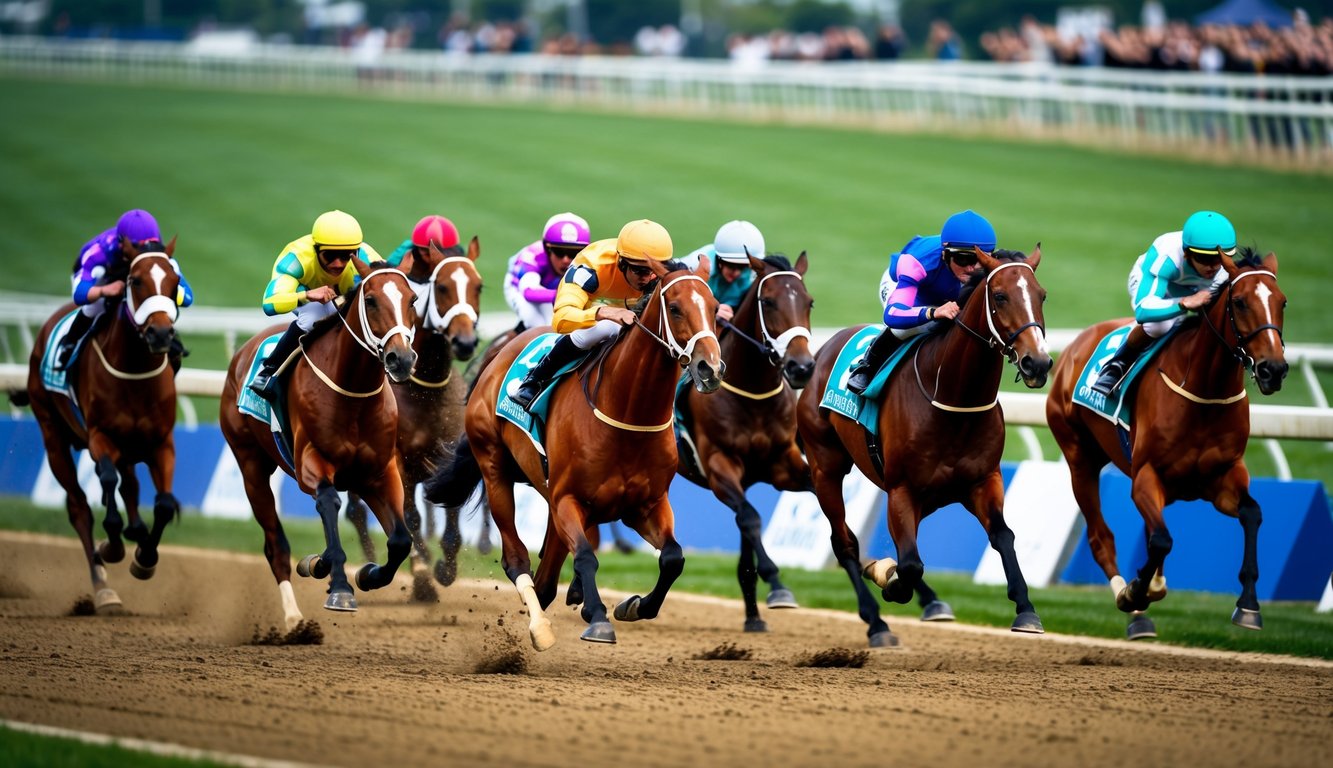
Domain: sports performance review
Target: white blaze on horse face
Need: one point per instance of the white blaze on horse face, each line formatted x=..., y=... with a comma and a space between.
x=461, y=280
x=1032, y=314
x=396, y=296
x=158, y=274
x=703, y=308
x=1265, y=294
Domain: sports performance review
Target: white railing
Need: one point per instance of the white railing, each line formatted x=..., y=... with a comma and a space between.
x=1287, y=120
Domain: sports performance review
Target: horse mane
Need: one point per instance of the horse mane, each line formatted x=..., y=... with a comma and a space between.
x=1248, y=256
x=778, y=261
x=640, y=304
x=978, y=278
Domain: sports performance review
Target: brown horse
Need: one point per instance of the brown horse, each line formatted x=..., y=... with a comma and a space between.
x=609, y=447
x=1191, y=422
x=126, y=391
x=942, y=432
x=430, y=401
x=343, y=428
x=746, y=433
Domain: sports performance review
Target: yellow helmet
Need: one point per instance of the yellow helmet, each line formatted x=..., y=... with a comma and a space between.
x=336, y=229
x=643, y=240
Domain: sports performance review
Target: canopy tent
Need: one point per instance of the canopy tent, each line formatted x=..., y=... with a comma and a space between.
x=1246, y=12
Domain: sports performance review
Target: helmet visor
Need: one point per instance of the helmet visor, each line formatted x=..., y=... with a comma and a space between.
x=1209, y=257
x=636, y=268
x=963, y=257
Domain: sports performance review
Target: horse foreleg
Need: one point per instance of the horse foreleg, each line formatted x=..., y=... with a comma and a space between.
x=451, y=540
x=723, y=477
x=423, y=591
x=333, y=559
x=257, y=473
x=570, y=521
x=932, y=607
x=987, y=503
x=657, y=527
x=165, y=509
x=63, y=468
x=387, y=504
x=904, y=516
x=1150, y=498
x=847, y=551
x=514, y=558
x=113, y=549
x=357, y=513
x=128, y=490
x=1235, y=500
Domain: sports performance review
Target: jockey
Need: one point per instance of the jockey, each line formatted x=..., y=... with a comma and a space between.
x=308, y=274
x=1180, y=273
x=104, y=256
x=730, y=251
x=535, y=272
x=410, y=257
x=594, y=298
x=921, y=285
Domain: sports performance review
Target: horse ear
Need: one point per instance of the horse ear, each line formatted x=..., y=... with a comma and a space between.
x=1228, y=263
x=1034, y=258
x=756, y=264
x=1270, y=262
x=658, y=267
x=987, y=261
x=474, y=248
x=362, y=268
x=705, y=266
x=435, y=249
x=171, y=246
x=801, y=264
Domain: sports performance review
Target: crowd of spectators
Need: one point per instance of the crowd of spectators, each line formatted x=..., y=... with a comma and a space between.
x=1300, y=49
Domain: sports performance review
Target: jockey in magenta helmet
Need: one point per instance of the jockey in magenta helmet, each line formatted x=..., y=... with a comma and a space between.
x=436, y=228
x=536, y=270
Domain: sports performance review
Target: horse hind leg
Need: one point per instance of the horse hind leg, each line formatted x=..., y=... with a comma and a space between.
x=59, y=458
x=932, y=607
x=165, y=509
x=357, y=514
x=113, y=549
x=451, y=540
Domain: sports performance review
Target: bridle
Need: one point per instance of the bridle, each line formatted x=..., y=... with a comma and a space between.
x=1238, y=350
x=432, y=318
x=1006, y=346
x=372, y=343
x=773, y=348
x=682, y=354
x=158, y=302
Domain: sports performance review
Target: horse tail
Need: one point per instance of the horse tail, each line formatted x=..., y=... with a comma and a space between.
x=455, y=481
x=19, y=397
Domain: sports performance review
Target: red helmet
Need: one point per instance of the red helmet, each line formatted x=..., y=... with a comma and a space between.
x=436, y=228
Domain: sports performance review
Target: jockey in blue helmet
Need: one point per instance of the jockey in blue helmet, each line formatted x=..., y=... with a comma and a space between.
x=921, y=286
x=1180, y=273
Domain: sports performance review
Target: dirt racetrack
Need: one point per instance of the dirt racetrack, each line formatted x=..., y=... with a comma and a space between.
x=399, y=684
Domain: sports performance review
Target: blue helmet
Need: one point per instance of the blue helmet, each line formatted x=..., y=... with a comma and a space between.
x=967, y=229
x=1207, y=231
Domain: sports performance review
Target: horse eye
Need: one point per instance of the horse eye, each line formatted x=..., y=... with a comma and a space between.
x=1001, y=298
x=1238, y=303
x=371, y=302
x=768, y=303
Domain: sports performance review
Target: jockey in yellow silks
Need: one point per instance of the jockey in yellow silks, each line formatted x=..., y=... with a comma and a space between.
x=310, y=272
x=593, y=301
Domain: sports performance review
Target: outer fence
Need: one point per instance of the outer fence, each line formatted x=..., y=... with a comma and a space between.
x=1282, y=120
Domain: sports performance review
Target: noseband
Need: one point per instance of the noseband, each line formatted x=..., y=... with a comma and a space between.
x=425, y=305
x=367, y=339
x=1006, y=346
x=158, y=302
x=773, y=348
x=683, y=354
x=1238, y=350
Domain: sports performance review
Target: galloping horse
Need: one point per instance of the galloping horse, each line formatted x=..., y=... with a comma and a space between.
x=430, y=401
x=942, y=432
x=343, y=430
x=1190, y=425
x=747, y=433
x=125, y=392
x=609, y=446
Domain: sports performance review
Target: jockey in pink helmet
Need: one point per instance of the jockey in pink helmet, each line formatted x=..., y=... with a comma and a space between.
x=535, y=271
x=410, y=257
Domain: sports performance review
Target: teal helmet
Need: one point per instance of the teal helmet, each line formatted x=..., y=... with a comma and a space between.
x=967, y=229
x=1207, y=231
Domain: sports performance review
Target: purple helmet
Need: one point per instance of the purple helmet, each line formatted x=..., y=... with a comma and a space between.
x=566, y=229
x=138, y=226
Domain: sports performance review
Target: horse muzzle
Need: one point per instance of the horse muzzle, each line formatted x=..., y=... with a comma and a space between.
x=1269, y=375
x=158, y=338
x=1034, y=370
x=399, y=364
x=464, y=347
x=798, y=372
x=706, y=377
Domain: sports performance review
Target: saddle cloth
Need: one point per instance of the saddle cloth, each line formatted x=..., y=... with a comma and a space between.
x=56, y=380
x=533, y=424
x=864, y=409
x=1115, y=408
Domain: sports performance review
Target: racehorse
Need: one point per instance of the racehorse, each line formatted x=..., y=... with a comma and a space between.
x=941, y=433
x=747, y=432
x=343, y=429
x=609, y=447
x=125, y=392
x=430, y=401
x=1190, y=425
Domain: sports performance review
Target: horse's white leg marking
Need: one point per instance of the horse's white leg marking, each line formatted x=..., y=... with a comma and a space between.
x=291, y=614
x=539, y=627
x=1118, y=585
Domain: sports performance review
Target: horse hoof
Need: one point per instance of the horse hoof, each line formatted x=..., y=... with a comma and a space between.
x=599, y=632
x=136, y=533
x=937, y=610
x=782, y=598
x=422, y=589
x=1029, y=623
x=882, y=572
x=111, y=553
x=542, y=635
x=628, y=610
x=885, y=639
x=312, y=566
x=365, y=578
x=341, y=601
x=1140, y=628
x=107, y=603
x=1247, y=619
x=141, y=572
x=446, y=571
x=756, y=625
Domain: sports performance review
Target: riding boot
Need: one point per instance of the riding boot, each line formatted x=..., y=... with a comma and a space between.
x=266, y=384
x=77, y=330
x=864, y=372
x=563, y=353
x=1116, y=368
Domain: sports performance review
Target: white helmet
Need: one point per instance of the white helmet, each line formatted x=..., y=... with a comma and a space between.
x=735, y=238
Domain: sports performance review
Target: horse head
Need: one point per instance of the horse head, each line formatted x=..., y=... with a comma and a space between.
x=1253, y=308
x=783, y=306
x=1014, y=316
x=383, y=310
x=452, y=299
x=150, y=294
x=687, y=310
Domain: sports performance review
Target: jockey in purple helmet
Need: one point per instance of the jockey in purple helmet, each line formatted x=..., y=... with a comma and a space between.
x=99, y=274
x=535, y=272
x=922, y=285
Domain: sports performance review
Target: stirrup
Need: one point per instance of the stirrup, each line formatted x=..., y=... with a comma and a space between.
x=524, y=399
x=869, y=376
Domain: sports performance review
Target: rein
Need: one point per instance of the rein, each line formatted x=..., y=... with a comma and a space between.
x=1238, y=351
x=379, y=341
x=157, y=302
x=425, y=304
x=773, y=348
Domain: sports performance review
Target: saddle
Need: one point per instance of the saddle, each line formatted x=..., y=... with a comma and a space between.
x=533, y=421
x=253, y=405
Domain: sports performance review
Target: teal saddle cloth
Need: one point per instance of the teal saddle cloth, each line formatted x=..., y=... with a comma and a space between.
x=1115, y=408
x=532, y=422
x=253, y=405
x=863, y=409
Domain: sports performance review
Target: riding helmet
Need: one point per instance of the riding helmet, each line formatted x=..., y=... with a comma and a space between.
x=337, y=230
x=644, y=240
x=1206, y=231
x=436, y=228
x=966, y=229
x=566, y=229
x=734, y=239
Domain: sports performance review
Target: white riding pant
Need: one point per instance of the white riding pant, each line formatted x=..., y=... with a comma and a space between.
x=309, y=314
x=587, y=338
x=530, y=314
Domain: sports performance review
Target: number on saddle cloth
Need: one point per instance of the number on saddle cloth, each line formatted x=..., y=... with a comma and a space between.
x=506, y=408
x=864, y=409
x=1115, y=408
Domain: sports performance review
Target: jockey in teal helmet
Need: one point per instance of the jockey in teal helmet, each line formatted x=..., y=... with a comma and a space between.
x=1180, y=273
x=921, y=285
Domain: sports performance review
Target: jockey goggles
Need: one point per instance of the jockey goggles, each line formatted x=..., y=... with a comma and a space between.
x=1209, y=257
x=641, y=271
x=963, y=257
x=561, y=250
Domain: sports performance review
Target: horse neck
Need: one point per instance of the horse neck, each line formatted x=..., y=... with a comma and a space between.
x=748, y=365
x=123, y=347
x=966, y=369
x=435, y=355
x=342, y=359
x=643, y=369
x=1201, y=361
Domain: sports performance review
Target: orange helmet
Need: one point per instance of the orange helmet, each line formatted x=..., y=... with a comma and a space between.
x=644, y=240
